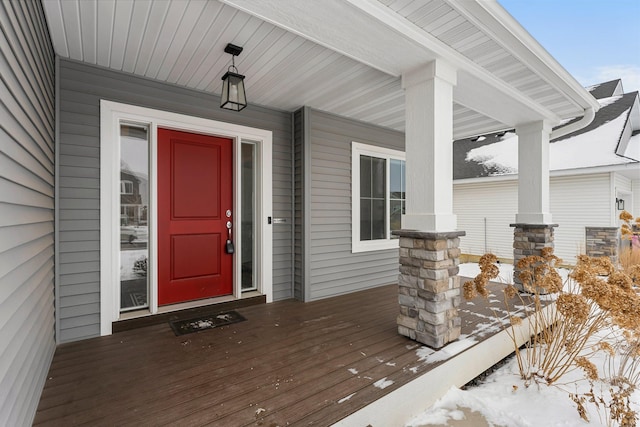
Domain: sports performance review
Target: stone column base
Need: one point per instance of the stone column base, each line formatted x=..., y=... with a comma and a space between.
x=529, y=239
x=429, y=288
x=603, y=241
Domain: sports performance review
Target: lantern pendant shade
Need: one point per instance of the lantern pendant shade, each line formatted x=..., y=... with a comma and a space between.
x=233, y=94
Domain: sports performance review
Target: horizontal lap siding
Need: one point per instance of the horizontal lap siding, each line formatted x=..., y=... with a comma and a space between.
x=576, y=202
x=26, y=209
x=622, y=183
x=623, y=186
x=333, y=269
x=81, y=89
x=492, y=204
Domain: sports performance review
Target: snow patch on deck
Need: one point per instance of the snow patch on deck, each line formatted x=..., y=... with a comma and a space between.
x=383, y=383
x=344, y=399
x=428, y=355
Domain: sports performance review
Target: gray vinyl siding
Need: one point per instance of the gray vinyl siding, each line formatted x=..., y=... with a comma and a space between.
x=27, y=170
x=81, y=89
x=332, y=268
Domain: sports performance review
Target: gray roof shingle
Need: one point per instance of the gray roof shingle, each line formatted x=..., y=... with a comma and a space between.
x=463, y=168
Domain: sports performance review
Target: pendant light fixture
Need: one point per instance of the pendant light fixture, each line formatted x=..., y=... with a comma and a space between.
x=233, y=94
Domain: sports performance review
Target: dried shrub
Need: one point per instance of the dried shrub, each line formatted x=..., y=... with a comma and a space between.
x=596, y=310
x=630, y=263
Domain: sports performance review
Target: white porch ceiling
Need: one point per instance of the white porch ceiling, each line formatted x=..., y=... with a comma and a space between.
x=345, y=57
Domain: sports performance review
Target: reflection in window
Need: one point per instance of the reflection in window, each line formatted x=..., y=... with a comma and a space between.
x=396, y=195
x=134, y=211
x=126, y=187
x=373, y=179
x=248, y=222
x=373, y=197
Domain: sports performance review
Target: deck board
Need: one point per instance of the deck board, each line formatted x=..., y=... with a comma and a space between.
x=289, y=363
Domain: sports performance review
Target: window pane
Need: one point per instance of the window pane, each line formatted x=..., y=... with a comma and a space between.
x=395, y=206
x=378, y=220
x=397, y=196
x=397, y=179
x=248, y=223
x=134, y=206
x=373, y=195
x=365, y=219
x=365, y=176
x=378, y=178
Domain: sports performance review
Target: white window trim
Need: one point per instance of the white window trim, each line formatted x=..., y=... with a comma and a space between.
x=111, y=116
x=358, y=149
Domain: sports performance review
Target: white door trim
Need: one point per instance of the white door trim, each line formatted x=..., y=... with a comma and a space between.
x=111, y=115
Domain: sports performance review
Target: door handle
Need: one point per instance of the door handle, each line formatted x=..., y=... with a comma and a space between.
x=229, y=247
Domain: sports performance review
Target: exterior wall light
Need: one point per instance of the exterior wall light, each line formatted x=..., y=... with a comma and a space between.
x=620, y=204
x=233, y=94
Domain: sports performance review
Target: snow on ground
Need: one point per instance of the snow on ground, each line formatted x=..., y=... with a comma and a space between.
x=472, y=269
x=127, y=261
x=429, y=355
x=503, y=399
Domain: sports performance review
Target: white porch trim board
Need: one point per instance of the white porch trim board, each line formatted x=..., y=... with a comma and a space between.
x=401, y=405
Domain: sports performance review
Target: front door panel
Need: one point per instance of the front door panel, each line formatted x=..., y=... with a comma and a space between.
x=195, y=190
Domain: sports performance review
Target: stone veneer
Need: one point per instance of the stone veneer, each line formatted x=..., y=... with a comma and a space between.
x=429, y=288
x=603, y=241
x=529, y=239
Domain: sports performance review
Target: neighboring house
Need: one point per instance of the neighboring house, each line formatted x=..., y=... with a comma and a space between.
x=594, y=173
x=313, y=171
x=132, y=208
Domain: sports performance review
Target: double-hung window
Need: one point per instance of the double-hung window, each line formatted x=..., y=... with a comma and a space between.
x=378, y=196
x=126, y=187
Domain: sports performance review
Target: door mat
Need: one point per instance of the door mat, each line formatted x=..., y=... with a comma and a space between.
x=188, y=326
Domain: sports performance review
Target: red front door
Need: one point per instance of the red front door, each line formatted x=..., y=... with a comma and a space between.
x=194, y=195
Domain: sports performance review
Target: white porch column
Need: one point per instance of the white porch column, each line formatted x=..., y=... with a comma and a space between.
x=533, y=230
x=533, y=173
x=429, y=147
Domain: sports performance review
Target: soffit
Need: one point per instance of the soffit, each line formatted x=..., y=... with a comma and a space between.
x=331, y=55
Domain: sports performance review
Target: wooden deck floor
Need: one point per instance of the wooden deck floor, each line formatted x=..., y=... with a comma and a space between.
x=289, y=363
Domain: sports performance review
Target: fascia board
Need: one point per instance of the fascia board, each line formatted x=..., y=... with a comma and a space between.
x=629, y=146
x=634, y=115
